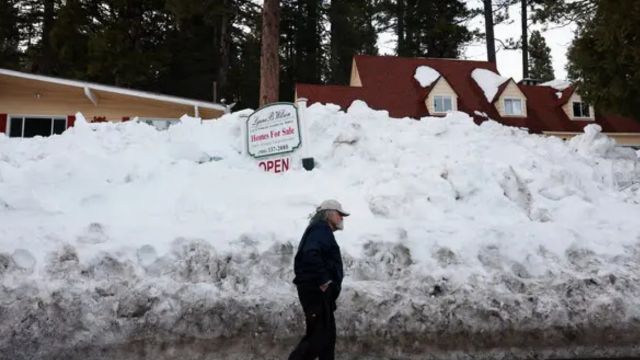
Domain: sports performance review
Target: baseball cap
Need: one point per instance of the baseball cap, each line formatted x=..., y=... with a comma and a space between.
x=332, y=205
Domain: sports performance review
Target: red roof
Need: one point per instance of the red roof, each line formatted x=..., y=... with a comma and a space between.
x=546, y=114
x=388, y=84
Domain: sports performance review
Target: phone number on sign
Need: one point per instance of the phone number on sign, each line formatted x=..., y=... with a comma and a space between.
x=272, y=149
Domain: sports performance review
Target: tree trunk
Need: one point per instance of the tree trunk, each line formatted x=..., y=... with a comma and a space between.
x=44, y=66
x=269, y=62
x=525, y=45
x=400, y=28
x=490, y=37
x=336, y=62
x=224, y=50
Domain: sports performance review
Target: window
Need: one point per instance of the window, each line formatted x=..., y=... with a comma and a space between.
x=513, y=107
x=442, y=104
x=30, y=126
x=581, y=109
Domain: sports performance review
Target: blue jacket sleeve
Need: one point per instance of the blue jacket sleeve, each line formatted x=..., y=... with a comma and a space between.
x=316, y=245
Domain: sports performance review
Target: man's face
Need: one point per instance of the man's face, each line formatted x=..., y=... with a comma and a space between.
x=335, y=219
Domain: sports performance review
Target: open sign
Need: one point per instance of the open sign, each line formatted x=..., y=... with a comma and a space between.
x=275, y=165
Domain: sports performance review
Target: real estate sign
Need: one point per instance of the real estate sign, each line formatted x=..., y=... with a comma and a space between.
x=273, y=130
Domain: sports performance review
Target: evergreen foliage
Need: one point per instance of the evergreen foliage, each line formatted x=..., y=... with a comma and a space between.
x=605, y=58
x=540, y=67
x=353, y=32
x=429, y=28
x=10, y=55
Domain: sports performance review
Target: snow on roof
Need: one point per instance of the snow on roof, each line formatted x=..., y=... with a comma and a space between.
x=480, y=113
x=557, y=84
x=488, y=81
x=426, y=75
x=113, y=89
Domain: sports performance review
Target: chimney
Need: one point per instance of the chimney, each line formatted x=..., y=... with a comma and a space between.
x=529, y=81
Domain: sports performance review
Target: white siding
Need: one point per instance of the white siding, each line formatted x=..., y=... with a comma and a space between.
x=441, y=88
x=568, y=108
x=511, y=92
x=355, y=76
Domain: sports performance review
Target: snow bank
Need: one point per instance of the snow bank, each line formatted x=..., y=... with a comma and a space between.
x=119, y=236
x=426, y=75
x=557, y=84
x=488, y=81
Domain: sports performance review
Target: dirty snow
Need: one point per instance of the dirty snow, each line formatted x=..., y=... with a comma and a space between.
x=122, y=240
x=426, y=75
x=488, y=81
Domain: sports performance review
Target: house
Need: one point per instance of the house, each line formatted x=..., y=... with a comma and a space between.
x=418, y=87
x=33, y=105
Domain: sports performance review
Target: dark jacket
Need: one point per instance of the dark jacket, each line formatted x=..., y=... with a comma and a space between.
x=318, y=259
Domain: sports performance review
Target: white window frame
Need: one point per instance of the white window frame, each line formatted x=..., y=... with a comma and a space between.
x=23, y=116
x=522, y=105
x=435, y=97
x=573, y=114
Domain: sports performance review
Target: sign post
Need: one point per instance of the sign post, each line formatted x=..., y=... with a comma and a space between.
x=307, y=161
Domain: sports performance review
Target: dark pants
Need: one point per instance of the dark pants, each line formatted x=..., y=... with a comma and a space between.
x=320, y=338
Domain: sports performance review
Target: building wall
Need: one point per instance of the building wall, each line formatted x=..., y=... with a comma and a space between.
x=625, y=139
x=31, y=97
x=355, y=76
x=568, y=108
x=441, y=88
x=511, y=91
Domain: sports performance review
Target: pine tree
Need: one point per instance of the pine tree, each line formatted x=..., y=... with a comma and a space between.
x=302, y=52
x=606, y=57
x=10, y=54
x=69, y=40
x=579, y=12
x=430, y=28
x=36, y=22
x=352, y=33
x=524, y=19
x=488, y=25
x=539, y=58
x=244, y=70
x=128, y=47
x=214, y=48
x=310, y=55
x=196, y=41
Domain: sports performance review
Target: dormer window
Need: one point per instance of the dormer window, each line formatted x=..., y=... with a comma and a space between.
x=442, y=103
x=581, y=110
x=513, y=107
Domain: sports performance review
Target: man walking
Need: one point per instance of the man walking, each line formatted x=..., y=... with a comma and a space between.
x=318, y=277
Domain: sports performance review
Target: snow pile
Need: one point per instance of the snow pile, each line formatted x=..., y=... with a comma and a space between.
x=426, y=75
x=557, y=84
x=488, y=81
x=593, y=142
x=118, y=237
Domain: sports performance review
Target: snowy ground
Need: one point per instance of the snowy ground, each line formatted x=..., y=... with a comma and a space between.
x=465, y=241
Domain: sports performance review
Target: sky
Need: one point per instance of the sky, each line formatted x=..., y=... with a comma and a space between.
x=509, y=61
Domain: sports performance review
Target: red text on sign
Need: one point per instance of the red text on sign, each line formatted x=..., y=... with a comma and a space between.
x=275, y=165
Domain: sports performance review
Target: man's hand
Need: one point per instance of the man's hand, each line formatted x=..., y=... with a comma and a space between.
x=325, y=286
